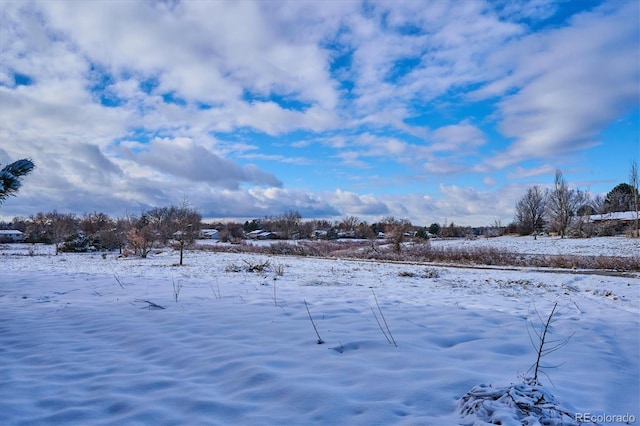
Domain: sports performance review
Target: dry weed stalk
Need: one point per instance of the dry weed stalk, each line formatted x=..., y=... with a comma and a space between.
x=118, y=280
x=216, y=293
x=176, y=289
x=320, y=341
x=388, y=336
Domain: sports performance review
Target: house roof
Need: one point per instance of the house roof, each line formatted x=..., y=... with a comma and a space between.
x=10, y=232
x=613, y=216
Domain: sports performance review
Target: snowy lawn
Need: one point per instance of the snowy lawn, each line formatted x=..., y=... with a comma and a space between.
x=92, y=340
x=608, y=246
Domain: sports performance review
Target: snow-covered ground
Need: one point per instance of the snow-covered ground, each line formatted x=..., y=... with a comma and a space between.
x=81, y=342
x=609, y=246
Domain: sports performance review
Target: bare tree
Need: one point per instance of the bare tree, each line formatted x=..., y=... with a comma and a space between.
x=563, y=203
x=349, y=223
x=141, y=235
x=530, y=211
x=36, y=229
x=59, y=226
x=116, y=237
x=161, y=219
x=288, y=223
x=178, y=226
x=231, y=231
x=597, y=202
x=97, y=228
x=633, y=182
x=305, y=230
x=395, y=230
x=364, y=231
x=185, y=227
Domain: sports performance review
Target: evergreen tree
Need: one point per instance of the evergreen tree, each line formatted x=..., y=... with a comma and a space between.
x=10, y=177
x=621, y=199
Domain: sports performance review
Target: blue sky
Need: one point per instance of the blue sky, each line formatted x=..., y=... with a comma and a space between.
x=431, y=111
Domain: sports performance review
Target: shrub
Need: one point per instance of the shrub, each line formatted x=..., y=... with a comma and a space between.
x=77, y=243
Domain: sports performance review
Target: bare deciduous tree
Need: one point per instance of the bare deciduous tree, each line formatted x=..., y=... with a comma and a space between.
x=59, y=226
x=160, y=219
x=633, y=182
x=178, y=226
x=288, y=223
x=530, y=210
x=364, y=231
x=597, y=202
x=395, y=230
x=185, y=227
x=97, y=227
x=563, y=203
x=349, y=223
x=141, y=235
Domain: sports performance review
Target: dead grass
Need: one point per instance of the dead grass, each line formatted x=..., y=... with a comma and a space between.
x=468, y=256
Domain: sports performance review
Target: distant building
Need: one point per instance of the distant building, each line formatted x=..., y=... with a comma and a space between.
x=321, y=234
x=259, y=234
x=615, y=223
x=11, y=236
x=625, y=217
x=212, y=234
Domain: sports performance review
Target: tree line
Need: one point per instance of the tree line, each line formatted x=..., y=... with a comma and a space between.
x=179, y=226
x=176, y=226
x=565, y=210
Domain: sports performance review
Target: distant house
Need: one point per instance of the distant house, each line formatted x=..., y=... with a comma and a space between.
x=321, y=233
x=11, y=236
x=624, y=217
x=614, y=223
x=212, y=234
x=259, y=234
x=347, y=234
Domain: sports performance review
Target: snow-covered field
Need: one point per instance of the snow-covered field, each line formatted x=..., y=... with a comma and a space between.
x=81, y=342
x=609, y=246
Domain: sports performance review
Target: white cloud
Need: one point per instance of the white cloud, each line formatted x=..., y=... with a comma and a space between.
x=206, y=51
x=350, y=203
x=569, y=84
x=521, y=172
x=466, y=206
x=489, y=181
x=463, y=206
x=273, y=201
x=273, y=119
x=462, y=136
x=533, y=9
x=183, y=158
x=461, y=139
x=448, y=40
